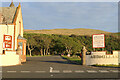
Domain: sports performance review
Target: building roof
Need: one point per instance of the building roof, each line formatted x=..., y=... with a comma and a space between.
x=8, y=14
x=1, y=18
x=20, y=37
x=12, y=4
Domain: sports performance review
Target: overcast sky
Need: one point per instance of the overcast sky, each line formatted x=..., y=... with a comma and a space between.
x=52, y=15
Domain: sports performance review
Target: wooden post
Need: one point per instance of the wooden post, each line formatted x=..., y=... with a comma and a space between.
x=84, y=56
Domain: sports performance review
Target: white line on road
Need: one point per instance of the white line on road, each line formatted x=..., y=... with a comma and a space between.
x=11, y=71
x=79, y=71
x=40, y=71
x=55, y=71
x=116, y=71
x=25, y=71
x=91, y=71
x=67, y=71
x=103, y=71
x=51, y=75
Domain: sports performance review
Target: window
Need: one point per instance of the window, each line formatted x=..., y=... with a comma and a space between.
x=19, y=29
x=21, y=47
x=3, y=51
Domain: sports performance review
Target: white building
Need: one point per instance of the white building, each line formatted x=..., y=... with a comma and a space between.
x=11, y=29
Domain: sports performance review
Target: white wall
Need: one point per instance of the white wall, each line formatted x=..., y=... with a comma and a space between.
x=4, y=29
x=1, y=39
x=117, y=53
x=9, y=59
x=95, y=58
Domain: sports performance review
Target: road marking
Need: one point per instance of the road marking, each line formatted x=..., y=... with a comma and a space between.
x=25, y=71
x=11, y=71
x=103, y=71
x=79, y=71
x=40, y=71
x=116, y=71
x=55, y=71
x=51, y=75
x=91, y=71
x=67, y=71
x=51, y=69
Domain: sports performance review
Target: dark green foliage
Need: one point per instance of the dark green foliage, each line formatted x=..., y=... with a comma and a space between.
x=55, y=44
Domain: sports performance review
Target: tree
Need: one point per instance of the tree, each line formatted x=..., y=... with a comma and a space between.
x=47, y=42
x=68, y=43
x=39, y=43
x=57, y=45
x=31, y=43
x=44, y=43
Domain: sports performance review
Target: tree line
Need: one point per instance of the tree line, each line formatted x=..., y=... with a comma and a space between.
x=44, y=44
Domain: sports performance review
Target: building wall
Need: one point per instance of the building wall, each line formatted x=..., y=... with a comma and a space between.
x=1, y=37
x=4, y=30
x=19, y=19
x=10, y=57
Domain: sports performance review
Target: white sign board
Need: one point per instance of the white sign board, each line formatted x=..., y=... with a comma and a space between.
x=98, y=41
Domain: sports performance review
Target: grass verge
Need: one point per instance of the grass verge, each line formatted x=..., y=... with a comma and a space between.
x=37, y=55
x=108, y=65
x=75, y=60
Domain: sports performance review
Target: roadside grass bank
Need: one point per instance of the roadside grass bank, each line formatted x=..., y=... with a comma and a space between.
x=74, y=60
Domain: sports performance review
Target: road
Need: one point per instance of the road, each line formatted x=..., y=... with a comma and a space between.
x=56, y=67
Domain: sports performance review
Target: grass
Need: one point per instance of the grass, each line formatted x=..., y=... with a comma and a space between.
x=79, y=31
x=108, y=65
x=37, y=55
x=73, y=59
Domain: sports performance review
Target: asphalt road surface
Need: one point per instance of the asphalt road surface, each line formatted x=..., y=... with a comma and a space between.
x=56, y=67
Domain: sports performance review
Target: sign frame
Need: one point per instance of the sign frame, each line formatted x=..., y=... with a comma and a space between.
x=92, y=41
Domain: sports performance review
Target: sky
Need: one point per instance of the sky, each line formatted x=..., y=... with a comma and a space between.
x=70, y=15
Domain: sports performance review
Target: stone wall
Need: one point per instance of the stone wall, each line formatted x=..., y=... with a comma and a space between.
x=101, y=58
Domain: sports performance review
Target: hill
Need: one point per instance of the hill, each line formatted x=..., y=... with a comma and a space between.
x=79, y=31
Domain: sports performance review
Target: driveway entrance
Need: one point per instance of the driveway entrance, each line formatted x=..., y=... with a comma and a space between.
x=56, y=67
